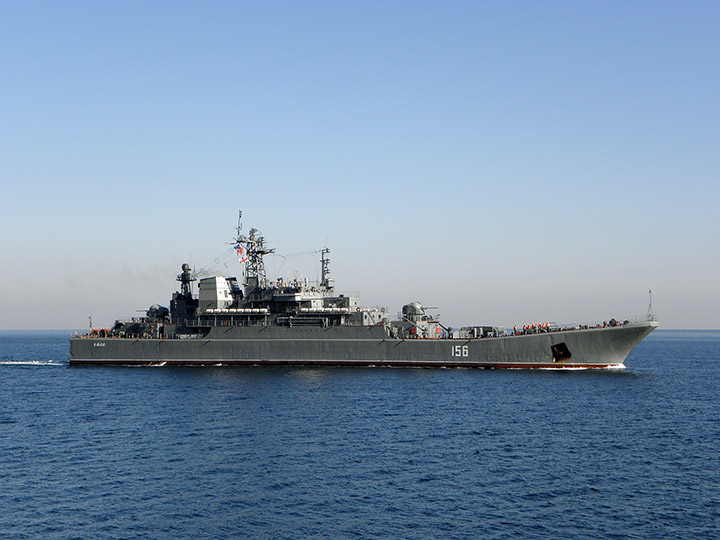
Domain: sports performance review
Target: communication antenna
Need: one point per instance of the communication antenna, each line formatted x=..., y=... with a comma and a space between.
x=650, y=314
x=90, y=320
x=324, y=265
x=239, y=225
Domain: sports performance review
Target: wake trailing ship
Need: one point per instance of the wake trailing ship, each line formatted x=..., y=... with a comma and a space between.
x=264, y=322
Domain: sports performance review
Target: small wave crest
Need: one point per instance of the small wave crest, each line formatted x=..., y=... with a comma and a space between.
x=31, y=363
x=616, y=367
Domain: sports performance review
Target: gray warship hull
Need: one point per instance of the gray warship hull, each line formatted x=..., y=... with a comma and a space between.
x=603, y=347
x=259, y=321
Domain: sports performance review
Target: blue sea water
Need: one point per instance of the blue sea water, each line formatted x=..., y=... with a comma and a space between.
x=286, y=453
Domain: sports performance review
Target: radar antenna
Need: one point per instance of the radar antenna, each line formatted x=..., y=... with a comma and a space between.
x=186, y=279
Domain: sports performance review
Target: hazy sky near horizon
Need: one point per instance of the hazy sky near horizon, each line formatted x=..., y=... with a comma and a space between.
x=507, y=162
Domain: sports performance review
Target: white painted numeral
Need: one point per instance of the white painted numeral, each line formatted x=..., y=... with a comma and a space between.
x=460, y=350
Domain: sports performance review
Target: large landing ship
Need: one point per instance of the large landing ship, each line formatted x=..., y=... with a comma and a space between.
x=298, y=322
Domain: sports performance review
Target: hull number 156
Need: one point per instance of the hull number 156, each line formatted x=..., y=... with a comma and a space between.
x=460, y=350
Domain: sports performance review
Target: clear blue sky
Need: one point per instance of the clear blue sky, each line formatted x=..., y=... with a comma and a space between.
x=508, y=162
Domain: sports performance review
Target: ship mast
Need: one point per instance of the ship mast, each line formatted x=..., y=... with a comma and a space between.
x=650, y=314
x=255, y=250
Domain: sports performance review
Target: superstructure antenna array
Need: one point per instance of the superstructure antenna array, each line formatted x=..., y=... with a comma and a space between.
x=255, y=250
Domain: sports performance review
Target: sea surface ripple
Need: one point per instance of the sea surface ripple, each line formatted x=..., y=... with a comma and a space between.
x=287, y=453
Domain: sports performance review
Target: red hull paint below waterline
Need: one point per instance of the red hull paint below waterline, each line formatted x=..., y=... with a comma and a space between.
x=442, y=365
